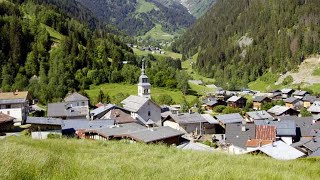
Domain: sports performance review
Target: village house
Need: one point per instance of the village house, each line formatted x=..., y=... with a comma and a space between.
x=276, y=95
x=137, y=133
x=278, y=111
x=209, y=105
x=186, y=122
x=279, y=150
x=311, y=147
x=41, y=127
x=258, y=116
x=75, y=106
x=237, y=102
x=16, y=105
x=225, y=119
x=300, y=94
x=258, y=101
x=315, y=108
x=286, y=93
x=264, y=135
x=6, y=122
x=293, y=103
x=309, y=100
x=237, y=136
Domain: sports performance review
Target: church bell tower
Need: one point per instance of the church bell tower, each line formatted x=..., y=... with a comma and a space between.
x=144, y=87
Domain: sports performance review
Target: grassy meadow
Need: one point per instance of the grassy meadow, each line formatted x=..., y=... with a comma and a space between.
x=23, y=158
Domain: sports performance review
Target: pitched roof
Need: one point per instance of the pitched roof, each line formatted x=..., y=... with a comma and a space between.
x=102, y=109
x=286, y=90
x=305, y=125
x=310, y=98
x=291, y=100
x=278, y=110
x=230, y=118
x=86, y=124
x=266, y=132
x=134, y=103
x=234, y=99
x=5, y=118
x=187, y=118
x=282, y=151
x=237, y=137
x=300, y=93
x=121, y=117
x=44, y=121
x=284, y=127
x=65, y=110
x=13, y=97
x=260, y=115
x=315, y=107
x=194, y=146
x=75, y=97
x=212, y=102
x=210, y=118
x=259, y=98
x=315, y=153
x=257, y=142
x=313, y=144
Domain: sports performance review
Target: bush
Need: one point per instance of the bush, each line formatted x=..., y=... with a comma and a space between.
x=288, y=80
x=219, y=108
x=209, y=143
x=25, y=132
x=230, y=110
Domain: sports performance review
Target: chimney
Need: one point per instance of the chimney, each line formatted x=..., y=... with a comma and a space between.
x=243, y=128
x=274, y=144
x=190, y=111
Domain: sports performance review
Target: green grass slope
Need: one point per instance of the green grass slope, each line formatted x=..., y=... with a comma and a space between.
x=81, y=159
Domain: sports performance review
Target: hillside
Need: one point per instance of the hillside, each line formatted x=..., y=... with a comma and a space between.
x=197, y=7
x=239, y=41
x=137, y=17
x=78, y=159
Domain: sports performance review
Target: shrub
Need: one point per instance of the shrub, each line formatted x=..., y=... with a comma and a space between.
x=288, y=80
x=54, y=136
x=219, y=108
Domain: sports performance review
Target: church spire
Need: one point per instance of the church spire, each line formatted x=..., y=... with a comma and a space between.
x=142, y=68
x=144, y=87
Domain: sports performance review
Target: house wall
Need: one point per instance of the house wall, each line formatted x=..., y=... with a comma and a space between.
x=306, y=104
x=186, y=128
x=44, y=127
x=257, y=105
x=6, y=126
x=289, y=105
x=236, y=150
x=155, y=112
x=44, y=134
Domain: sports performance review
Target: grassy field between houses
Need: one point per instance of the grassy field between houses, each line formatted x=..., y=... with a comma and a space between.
x=131, y=89
x=23, y=158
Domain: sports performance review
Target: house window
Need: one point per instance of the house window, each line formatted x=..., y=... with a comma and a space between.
x=8, y=106
x=83, y=103
x=146, y=91
x=149, y=113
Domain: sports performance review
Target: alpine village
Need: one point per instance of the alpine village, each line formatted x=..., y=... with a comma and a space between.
x=159, y=89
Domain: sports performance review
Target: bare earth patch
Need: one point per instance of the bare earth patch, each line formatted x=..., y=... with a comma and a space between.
x=304, y=74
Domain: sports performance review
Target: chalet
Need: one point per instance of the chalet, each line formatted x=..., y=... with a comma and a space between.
x=315, y=108
x=237, y=136
x=213, y=103
x=293, y=103
x=237, y=102
x=225, y=119
x=137, y=133
x=278, y=111
x=6, y=122
x=258, y=116
x=258, y=101
x=75, y=106
x=309, y=100
x=300, y=94
x=186, y=122
x=16, y=105
x=286, y=93
x=41, y=127
x=286, y=130
x=279, y=150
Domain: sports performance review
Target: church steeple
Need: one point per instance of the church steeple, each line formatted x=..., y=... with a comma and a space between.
x=144, y=87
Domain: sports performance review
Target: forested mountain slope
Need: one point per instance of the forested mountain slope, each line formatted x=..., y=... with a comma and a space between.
x=136, y=17
x=238, y=41
x=197, y=7
x=49, y=53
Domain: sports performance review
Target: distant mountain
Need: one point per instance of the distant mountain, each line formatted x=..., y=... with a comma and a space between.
x=197, y=7
x=238, y=41
x=136, y=17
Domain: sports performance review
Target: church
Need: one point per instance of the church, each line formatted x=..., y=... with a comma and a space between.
x=141, y=107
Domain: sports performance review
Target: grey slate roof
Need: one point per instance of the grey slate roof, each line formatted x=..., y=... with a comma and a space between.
x=305, y=125
x=259, y=98
x=102, y=109
x=313, y=145
x=211, y=103
x=75, y=97
x=237, y=137
x=291, y=100
x=310, y=98
x=281, y=151
x=234, y=99
x=65, y=110
x=229, y=118
x=315, y=153
x=134, y=103
x=278, y=110
x=300, y=93
x=286, y=90
x=86, y=124
x=260, y=115
x=186, y=118
x=284, y=127
x=139, y=132
x=210, y=118
x=195, y=147
x=315, y=107
x=44, y=121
